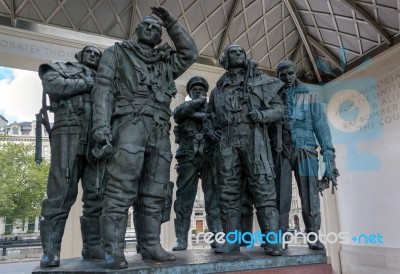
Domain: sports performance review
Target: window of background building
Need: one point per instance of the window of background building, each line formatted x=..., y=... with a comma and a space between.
x=31, y=226
x=9, y=224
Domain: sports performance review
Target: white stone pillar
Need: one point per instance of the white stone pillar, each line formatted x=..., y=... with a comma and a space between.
x=71, y=246
x=329, y=223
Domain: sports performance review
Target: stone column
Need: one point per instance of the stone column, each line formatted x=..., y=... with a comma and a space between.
x=71, y=246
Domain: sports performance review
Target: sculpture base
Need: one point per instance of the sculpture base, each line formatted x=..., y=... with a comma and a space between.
x=206, y=261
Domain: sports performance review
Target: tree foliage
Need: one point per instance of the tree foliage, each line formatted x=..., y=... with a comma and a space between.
x=22, y=182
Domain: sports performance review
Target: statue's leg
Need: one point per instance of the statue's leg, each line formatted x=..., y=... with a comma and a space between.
x=138, y=242
x=211, y=199
x=152, y=194
x=91, y=239
x=51, y=233
x=113, y=229
x=62, y=189
x=268, y=219
x=185, y=195
x=124, y=171
x=306, y=174
x=247, y=212
x=229, y=169
x=264, y=198
x=150, y=229
x=283, y=186
x=267, y=215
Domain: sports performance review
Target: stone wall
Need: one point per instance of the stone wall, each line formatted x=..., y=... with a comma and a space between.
x=363, y=108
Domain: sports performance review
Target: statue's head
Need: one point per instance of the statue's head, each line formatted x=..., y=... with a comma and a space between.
x=287, y=72
x=89, y=56
x=234, y=57
x=149, y=31
x=197, y=87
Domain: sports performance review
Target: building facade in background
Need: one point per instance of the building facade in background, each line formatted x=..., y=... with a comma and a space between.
x=23, y=132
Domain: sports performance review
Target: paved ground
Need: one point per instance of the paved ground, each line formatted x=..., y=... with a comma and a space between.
x=18, y=268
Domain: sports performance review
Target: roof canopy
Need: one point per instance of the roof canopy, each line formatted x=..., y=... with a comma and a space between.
x=324, y=38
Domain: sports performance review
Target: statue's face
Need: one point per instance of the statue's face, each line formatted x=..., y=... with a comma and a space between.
x=197, y=91
x=91, y=57
x=288, y=76
x=236, y=57
x=149, y=32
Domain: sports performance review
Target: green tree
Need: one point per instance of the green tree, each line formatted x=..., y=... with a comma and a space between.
x=22, y=181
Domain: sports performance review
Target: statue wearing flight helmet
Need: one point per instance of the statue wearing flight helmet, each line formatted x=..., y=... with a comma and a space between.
x=69, y=86
x=243, y=102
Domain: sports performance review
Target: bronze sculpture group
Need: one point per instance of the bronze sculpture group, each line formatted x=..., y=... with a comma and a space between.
x=113, y=110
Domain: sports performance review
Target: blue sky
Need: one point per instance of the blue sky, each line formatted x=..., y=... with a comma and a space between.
x=6, y=74
x=20, y=94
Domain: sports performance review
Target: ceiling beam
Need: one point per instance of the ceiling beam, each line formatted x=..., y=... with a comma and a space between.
x=21, y=6
x=12, y=14
x=117, y=18
x=303, y=35
x=54, y=13
x=367, y=56
x=212, y=61
x=367, y=18
x=89, y=14
x=325, y=51
x=131, y=24
x=296, y=50
x=64, y=10
x=227, y=27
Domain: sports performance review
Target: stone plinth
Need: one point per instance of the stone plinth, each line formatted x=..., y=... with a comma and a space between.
x=201, y=261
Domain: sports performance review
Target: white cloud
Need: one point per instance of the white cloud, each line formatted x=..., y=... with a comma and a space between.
x=21, y=98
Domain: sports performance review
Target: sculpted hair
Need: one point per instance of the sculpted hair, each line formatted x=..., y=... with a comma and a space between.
x=284, y=65
x=151, y=17
x=155, y=19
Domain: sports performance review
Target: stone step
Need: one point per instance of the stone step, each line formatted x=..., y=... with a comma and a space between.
x=253, y=260
x=300, y=269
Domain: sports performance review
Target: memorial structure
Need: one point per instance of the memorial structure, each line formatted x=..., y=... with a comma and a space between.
x=352, y=56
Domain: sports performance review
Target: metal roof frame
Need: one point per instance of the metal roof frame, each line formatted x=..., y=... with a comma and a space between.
x=338, y=33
